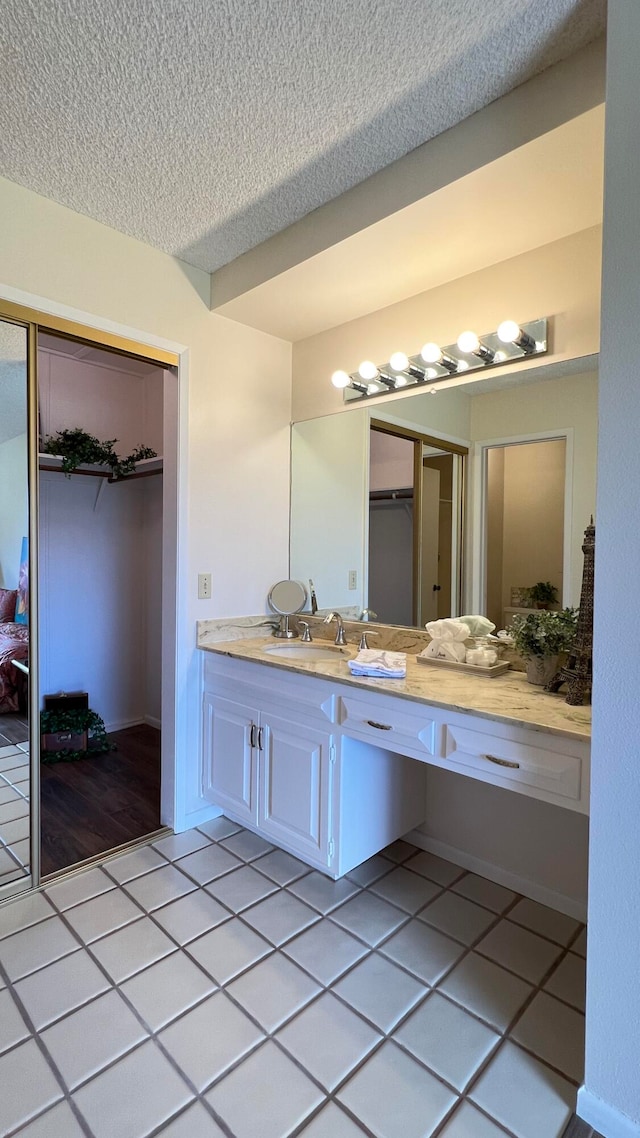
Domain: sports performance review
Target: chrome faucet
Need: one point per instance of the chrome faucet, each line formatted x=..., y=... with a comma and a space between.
x=340, y=636
x=363, y=639
x=306, y=635
x=368, y=614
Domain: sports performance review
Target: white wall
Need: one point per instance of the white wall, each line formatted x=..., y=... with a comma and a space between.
x=561, y=280
x=14, y=508
x=235, y=401
x=611, y=1100
x=531, y=846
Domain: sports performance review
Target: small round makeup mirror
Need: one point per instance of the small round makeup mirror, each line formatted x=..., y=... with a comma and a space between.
x=287, y=598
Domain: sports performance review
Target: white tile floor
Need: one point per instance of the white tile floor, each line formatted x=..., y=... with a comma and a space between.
x=14, y=813
x=210, y=986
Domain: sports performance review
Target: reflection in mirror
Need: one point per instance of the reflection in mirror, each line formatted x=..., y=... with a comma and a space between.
x=329, y=539
x=14, y=608
x=413, y=565
x=525, y=492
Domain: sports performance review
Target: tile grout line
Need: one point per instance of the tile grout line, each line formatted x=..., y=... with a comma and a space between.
x=323, y=988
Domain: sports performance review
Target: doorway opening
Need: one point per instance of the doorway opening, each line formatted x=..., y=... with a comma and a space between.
x=101, y=555
x=525, y=522
x=415, y=524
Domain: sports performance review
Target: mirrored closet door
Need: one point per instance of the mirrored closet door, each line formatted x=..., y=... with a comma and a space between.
x=16, y=611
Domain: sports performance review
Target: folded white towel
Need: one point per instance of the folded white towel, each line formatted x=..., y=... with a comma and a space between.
x=373, y=662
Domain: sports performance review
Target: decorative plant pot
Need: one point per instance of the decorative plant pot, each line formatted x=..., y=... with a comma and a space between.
x=541, y=669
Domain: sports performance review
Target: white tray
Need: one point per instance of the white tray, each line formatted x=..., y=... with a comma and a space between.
x=491, y=671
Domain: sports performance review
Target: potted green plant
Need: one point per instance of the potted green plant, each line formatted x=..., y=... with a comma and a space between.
x=540, y=638
x=543, y=594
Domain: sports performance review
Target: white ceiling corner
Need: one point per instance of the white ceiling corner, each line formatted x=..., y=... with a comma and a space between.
x=204, y=127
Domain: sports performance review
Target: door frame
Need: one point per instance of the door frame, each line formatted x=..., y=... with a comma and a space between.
x=478, y=536
x=38, y=314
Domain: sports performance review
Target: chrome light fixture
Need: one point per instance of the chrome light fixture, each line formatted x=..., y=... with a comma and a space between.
x=434, y=364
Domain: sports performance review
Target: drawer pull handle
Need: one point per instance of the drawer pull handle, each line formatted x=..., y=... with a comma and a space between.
x=260, y=738
x=379, y=726
x=252, y=735
x=503, y=762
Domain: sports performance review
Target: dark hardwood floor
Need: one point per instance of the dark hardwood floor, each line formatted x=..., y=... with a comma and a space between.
x=14, y=728
x=90, y=806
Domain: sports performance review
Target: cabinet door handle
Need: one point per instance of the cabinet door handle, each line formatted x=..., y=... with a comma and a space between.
x=379, y=726
x=260, y=738
x=503, y=762
x=252, y=735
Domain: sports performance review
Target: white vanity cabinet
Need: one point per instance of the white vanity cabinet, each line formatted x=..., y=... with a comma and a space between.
x=274, y=760
x=333, y=772
x=230, y=770
x=271, y=772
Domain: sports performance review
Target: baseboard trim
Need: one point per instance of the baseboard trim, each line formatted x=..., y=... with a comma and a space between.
x=123, y=724
x=545, y=896
x=153, y=721
x=602, y=1116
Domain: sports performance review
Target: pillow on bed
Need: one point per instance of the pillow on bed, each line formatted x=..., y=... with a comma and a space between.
x=8, y=599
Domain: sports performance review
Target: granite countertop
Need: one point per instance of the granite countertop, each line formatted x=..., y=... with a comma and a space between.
x=508, y=698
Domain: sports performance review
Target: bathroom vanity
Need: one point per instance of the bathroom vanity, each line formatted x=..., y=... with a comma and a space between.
x=333, y=767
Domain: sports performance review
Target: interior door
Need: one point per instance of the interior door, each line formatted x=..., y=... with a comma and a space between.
x=15, y=775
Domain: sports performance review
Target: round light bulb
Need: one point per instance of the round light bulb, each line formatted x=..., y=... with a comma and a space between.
x=340, y=379
x=509, y=331
x=399, y=361
x=431, y=353
x=468, y=342
x=367, y=370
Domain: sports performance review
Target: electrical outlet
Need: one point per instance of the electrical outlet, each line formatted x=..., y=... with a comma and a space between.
x=353, y=578
x=204, y=586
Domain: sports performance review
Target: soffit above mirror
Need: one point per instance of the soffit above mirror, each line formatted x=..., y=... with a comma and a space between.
x=534, y=195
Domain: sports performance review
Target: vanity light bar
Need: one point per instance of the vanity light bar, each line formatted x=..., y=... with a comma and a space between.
x=511, y=342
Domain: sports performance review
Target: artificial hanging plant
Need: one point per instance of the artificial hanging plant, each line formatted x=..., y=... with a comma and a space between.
x=75, y=722
x=76, y=447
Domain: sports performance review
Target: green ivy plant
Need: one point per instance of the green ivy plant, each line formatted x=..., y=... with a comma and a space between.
x=77, y=446
x=75, y=722
x=544, y=633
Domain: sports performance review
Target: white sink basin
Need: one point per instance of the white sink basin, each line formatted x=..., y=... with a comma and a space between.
x=304, y=652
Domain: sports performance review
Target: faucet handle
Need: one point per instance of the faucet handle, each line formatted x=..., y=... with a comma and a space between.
x=368, y=614
x=306, y=635
x=363, y=639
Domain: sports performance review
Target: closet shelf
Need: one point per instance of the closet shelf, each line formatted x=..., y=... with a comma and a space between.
x=144, y=469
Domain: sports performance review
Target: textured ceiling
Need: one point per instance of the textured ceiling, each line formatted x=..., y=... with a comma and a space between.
x=205, y=126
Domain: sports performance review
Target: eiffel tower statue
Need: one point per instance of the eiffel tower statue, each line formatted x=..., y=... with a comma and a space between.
x=577, y=672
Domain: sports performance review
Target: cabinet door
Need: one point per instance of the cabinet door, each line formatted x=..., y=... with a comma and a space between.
x=295, y=788
x=229, y=758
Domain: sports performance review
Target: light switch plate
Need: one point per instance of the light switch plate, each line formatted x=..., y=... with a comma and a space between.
x=204, y=586
x=353, y=578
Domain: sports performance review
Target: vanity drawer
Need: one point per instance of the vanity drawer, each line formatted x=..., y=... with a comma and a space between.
x=537, y=764
x=389, y=725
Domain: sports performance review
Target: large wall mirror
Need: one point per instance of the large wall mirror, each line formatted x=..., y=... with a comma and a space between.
x=515, y=516
x=15, y=780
